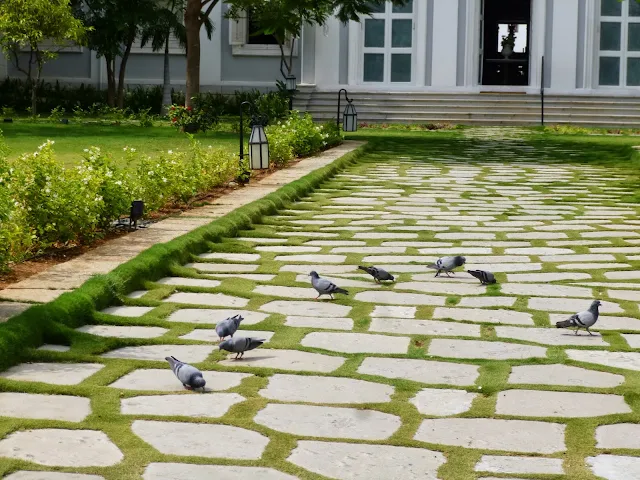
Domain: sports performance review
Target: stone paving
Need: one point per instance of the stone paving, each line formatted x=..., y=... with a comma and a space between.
x=421, y=378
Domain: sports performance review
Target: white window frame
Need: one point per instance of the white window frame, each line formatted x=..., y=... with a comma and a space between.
x=50, y=44
x=239, y=41
x=388, y=16
x=623, y=54
x=174, y=47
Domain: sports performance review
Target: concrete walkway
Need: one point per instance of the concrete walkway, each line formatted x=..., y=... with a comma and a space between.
x=423, y=378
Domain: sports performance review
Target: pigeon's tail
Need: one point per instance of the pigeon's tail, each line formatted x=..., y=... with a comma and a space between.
x=566, y=323
x=340, y=290
x=434, y=266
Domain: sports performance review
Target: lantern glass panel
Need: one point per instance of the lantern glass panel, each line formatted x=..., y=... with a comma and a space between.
x=258, y=148
x=350, y=119
x=291, y=83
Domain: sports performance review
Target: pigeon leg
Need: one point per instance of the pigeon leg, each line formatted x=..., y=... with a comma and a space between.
x=186, y=386
x=241, y=354
x=577, y=329
x=331, y=296
x=447, y=274
x=377, y=281
x=236, y=357
x=590, y=332
x=437, y=273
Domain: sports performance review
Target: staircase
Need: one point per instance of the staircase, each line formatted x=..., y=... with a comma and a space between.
x=514, y=109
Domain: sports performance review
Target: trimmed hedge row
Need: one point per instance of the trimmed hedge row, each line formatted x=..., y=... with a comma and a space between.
x=44, y=323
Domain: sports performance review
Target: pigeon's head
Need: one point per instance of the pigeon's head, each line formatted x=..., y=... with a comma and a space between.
x=595, y=304
x=314, y=274
x=459, y=260
x=225, y=345
x=197, y=382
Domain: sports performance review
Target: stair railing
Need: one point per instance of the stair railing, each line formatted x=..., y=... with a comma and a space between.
x=542, y=92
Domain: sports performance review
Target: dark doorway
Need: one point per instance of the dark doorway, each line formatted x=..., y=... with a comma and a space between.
x=506, y=40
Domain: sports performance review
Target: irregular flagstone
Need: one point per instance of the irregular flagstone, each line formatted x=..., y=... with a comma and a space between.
x=547, y=277
x=424, y=371
x=127, y=311
x=538, y=403
x=330, y=422
x=538, y=251
x=52, y=373
x=460, y=277
x=519, y=465
x=505, y=267
x=439, y=402
x=631, y=275
x=563, y=375
x=210, y=335
x=423, y=327
x=310, y=234
x=451, y=288
x=186, y=471
x=213, y=316
x=201, y=440
x=397, y=298
x=258, y=277
x=356, y=342
x=293, y=360
x=542, y=289
x=287, y=292
x=341, y=282
x=536, y=235
x=260, y=240
x=569, y=305
x=311, y=258
x=368, y=250
x=632, y=339
x=212, y=405
x=336, y=243
x=490, y=434
x=440, y=347
x=189, y=282
x=186, y=353
x=624, y=295
x=623, y=360
x=394, y=311
x=54, y=348
x=592, y=266
x=325, y=269
x=123, y=331
x=311, y=389
x=61, y=448
x=381, y=235
x=149, y=379
x=548, y=336
x=222, y=267
x=29, y=475
x=288, y=249
x=312, y=309
x=317, y=322
x=483, y=316
x=209, y=299
x=615, y=467
x=46, y=407
x=350, y=461
x=586, y=257
x=619, y=435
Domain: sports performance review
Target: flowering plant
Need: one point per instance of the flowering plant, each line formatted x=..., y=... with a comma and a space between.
x=191, y=120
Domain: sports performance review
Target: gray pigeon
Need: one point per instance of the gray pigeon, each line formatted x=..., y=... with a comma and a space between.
x=582, y=319
x=228, y=327
x=324, y=286
x=378, y=274
x=240, y=345
x=446, y=264
x=189, y=375
x=485, y=278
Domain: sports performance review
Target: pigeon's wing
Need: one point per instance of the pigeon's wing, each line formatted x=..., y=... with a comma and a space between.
x=185, y=372
x=585, y=319
x=325, y=286
x=222, y=329
x=252, y=343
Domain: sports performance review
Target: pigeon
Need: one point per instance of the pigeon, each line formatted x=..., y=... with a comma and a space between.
x=447, y=264
x=378, y=274
x=228, y=327
x=239, y=345
x=189, y=375
x=324, y=286
x=485, y=278
x=582, y=319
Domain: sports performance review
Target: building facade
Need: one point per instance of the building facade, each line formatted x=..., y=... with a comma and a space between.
x=444, y=46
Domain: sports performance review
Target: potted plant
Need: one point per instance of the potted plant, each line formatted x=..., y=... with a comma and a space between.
x=508, y=42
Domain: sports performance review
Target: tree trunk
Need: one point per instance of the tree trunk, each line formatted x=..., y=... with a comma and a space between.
x=192, y=25
x=122, y=73
x=166, y=81
x=34, y=96
x=111, y=81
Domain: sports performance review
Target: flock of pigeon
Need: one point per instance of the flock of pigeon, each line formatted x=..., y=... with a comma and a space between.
x=192, y=378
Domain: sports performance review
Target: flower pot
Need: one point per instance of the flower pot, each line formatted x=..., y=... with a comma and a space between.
x=190, y=128
x=507, y=50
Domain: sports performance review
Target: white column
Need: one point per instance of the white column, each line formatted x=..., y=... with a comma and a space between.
x=538, y=34
x=355, y=53
x=420, y=55
x=564, y=45
x=445, y=43
x=211, y=50
x=591, y=47
x=328, y=54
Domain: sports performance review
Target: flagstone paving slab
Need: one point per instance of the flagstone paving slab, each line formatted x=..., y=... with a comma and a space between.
x=619, y=435
x=392, y=311
x=537, y=403
x=487, y=302
x=210, y=335
x=311, y=258
x=349, y=461
x=548, y=336
x=490, y=434
x=356, y=342
x=505, y=267
x=185, y=471
x=213, y=316
x=397, y=298
x=150, y=379
x=54, y=348
x=310, y=389
x=317, y=322
x=441, y=347
x=542, y=289
x=313, y=309
x=329, y=422
x=287, y=292
x=592, y=266
x=292, y=360
x=547, y=277
x=615, y=467
x=623, y=360
x=122, y=332
x=222, y=267
x=208, y=299
x=127, y=311
x=423, y=327
x=519, y=465
x=258, y=277
x=51, y=407
x=563, y=375
x=437, y=402
x=551, y=304
x=61, y=448
x=201, y=440
x=483, y=315
x=31, y=475
x=423, y=371
x=52, y=373
x=443, y=288
x=186, y=353
x=212, y=405
x=189, y=282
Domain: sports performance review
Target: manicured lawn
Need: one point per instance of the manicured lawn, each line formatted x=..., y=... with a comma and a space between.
x=72, y=139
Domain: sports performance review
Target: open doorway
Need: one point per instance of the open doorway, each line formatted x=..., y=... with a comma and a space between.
x=506, y=35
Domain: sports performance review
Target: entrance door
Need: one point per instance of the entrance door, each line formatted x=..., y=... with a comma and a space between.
x=505, y=43
x=481, y=43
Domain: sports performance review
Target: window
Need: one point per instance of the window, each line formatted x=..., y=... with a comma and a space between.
x=174, y=47
x=243, y=43
x=70, y=47
x=258, y=39
x=619, y=43
x=388, y=44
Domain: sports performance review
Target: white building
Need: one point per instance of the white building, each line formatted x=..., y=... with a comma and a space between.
x=430, y=60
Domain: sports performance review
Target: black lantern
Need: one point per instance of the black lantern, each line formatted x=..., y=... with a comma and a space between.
x=291, y=82
x=258, y=142
x=350, y=116
x=137, y=212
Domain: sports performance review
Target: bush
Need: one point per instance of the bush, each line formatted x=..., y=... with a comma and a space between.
x=200, y=117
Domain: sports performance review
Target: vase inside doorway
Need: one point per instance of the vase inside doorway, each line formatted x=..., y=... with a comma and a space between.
x=507, y=50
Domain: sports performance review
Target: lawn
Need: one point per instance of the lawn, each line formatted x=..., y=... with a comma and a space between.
x=72, y=139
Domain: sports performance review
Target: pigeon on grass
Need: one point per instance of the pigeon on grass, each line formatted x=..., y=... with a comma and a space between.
x=446, y=264
x=378, y=274
x=584, y=319
x=189, y=375
x=486, y=278
x=239, y=345
x=324, y=286
x=228, y=327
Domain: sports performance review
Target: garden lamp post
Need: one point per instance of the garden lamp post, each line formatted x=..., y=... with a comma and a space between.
x=258, y=142
x=350, y=116
x=291, y=84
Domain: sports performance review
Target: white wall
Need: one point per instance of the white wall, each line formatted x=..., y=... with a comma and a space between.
x=564, y=45
x=445, y=43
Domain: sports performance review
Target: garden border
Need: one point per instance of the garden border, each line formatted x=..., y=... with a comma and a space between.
x=41, y=323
